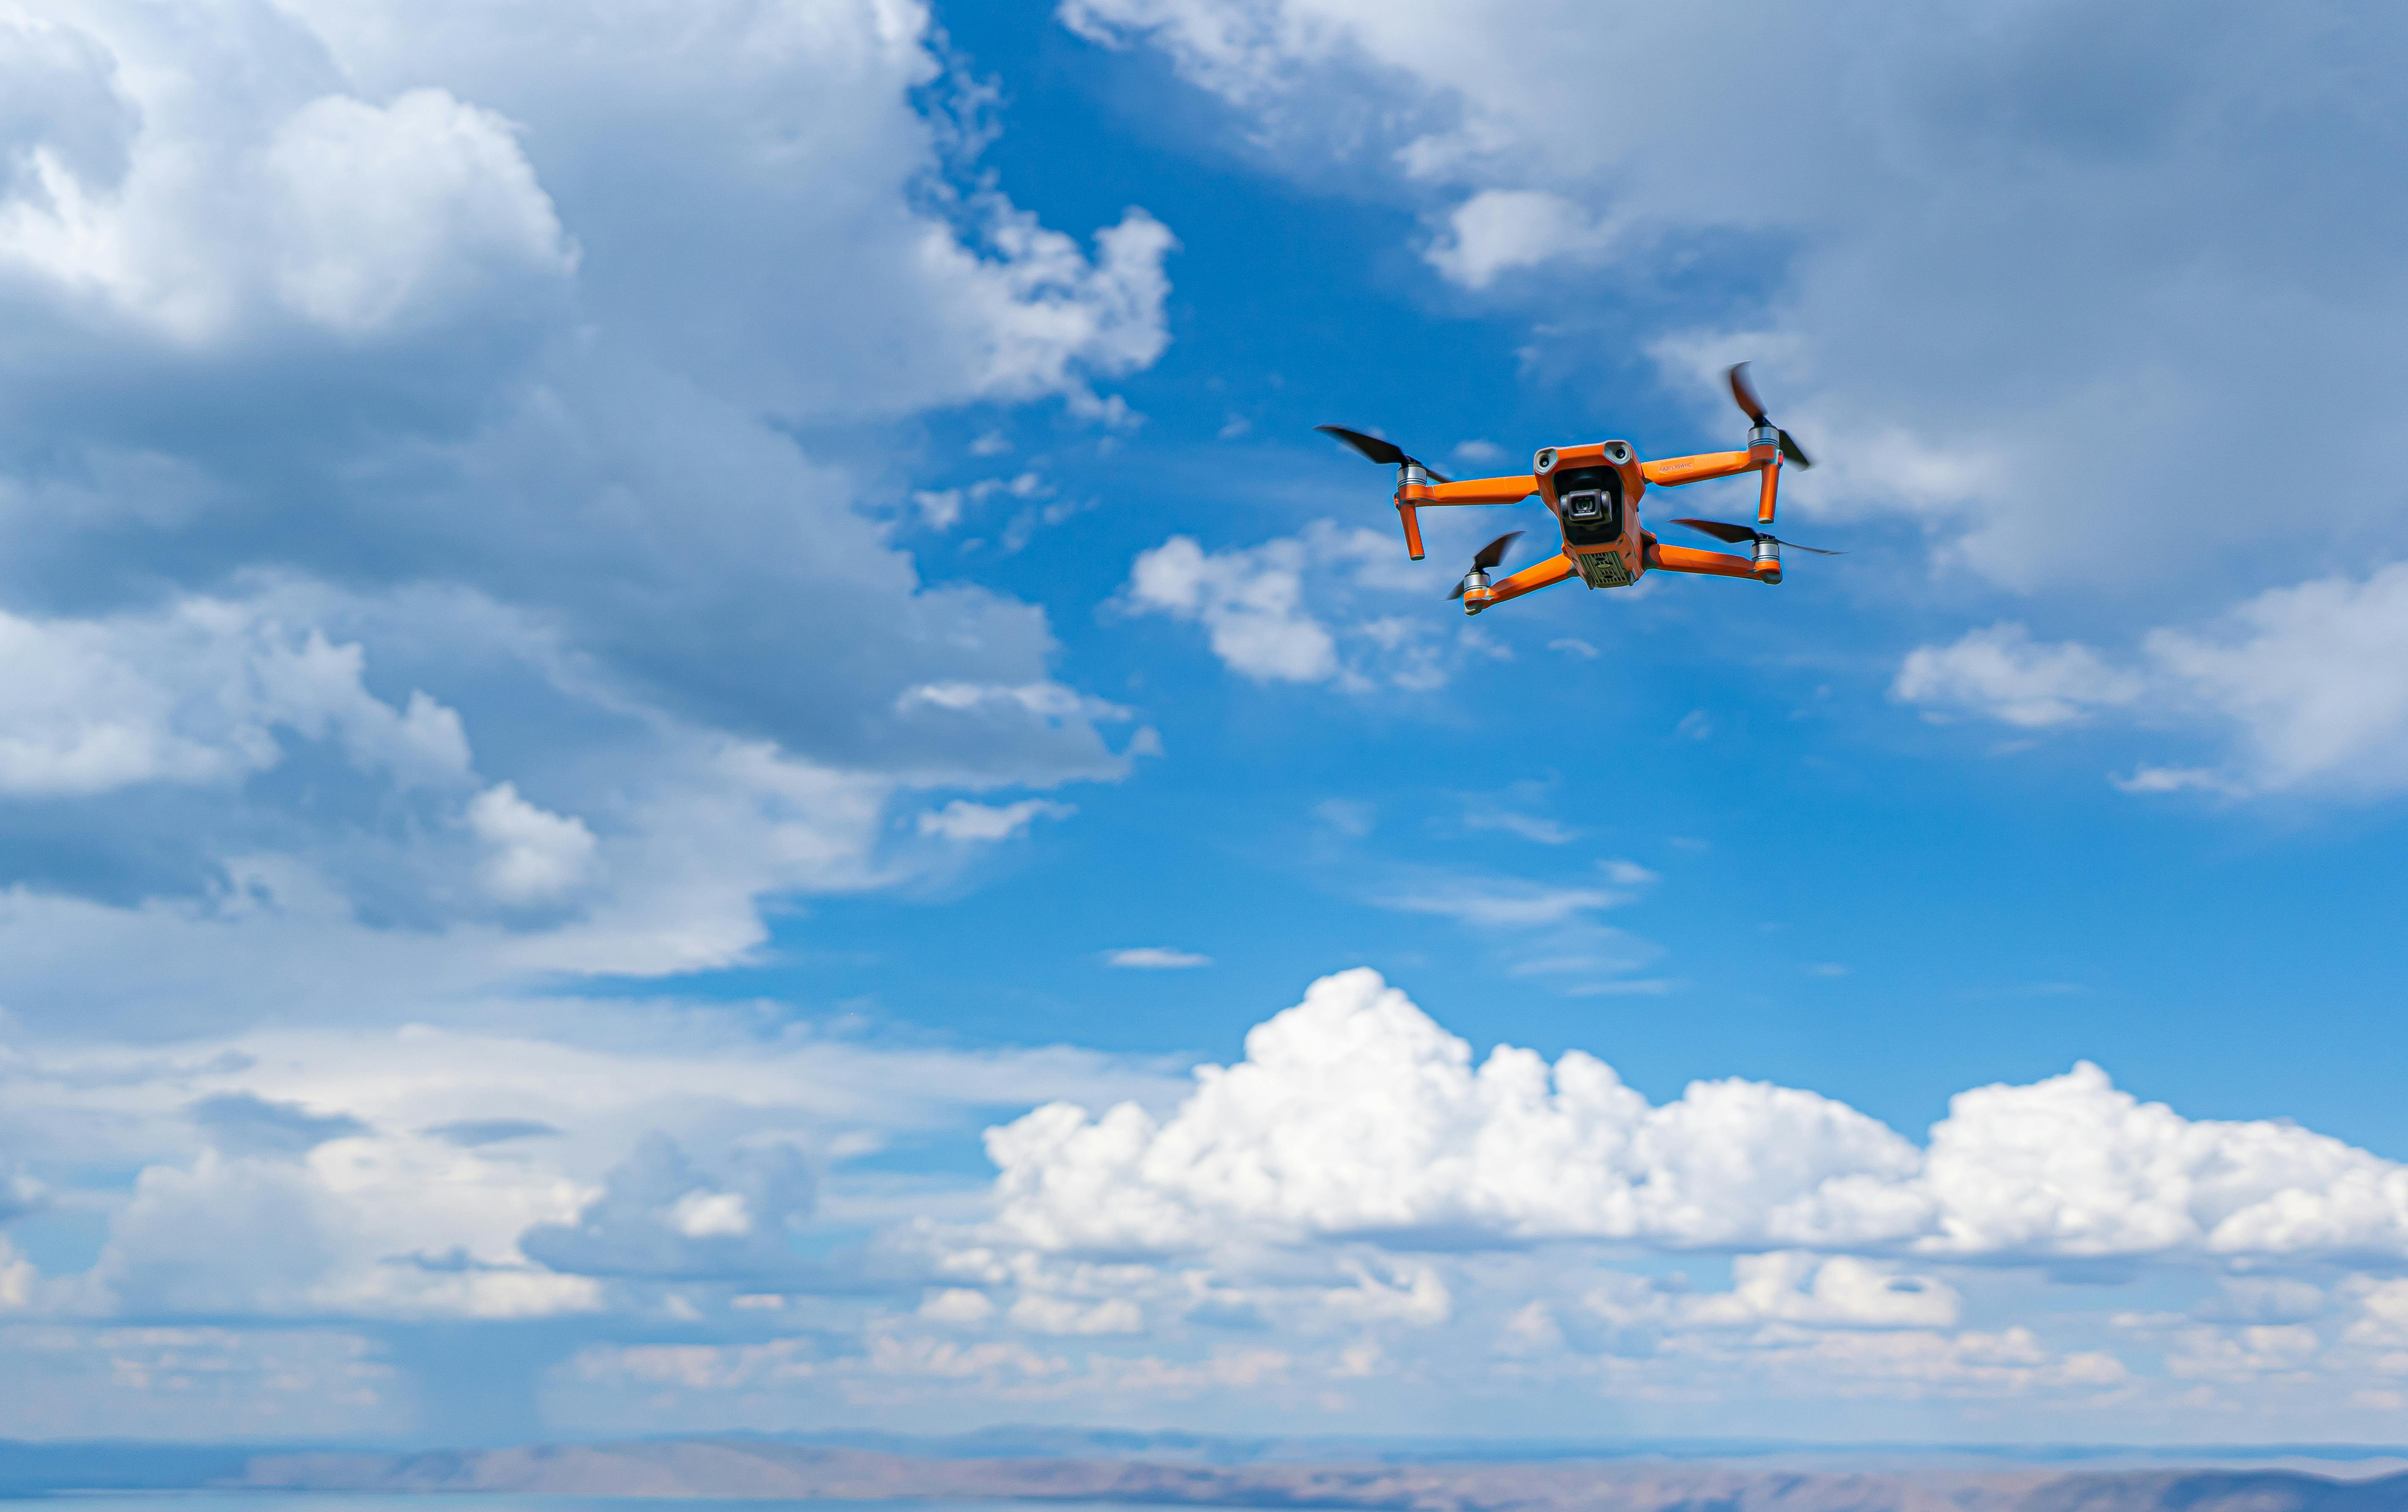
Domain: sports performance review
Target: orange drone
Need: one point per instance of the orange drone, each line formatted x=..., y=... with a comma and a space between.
x=1594, y=491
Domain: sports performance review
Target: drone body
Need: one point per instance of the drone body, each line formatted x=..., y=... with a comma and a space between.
x=1593, y=494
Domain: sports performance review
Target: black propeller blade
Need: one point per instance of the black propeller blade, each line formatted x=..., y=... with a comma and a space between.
x=1737, y=533
x=1486, y=557
x=1386, y=454
x=1743, y=391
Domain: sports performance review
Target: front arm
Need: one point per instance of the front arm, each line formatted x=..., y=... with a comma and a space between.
x=1410, y=497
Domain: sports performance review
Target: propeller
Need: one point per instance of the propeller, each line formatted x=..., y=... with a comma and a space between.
x=1387, y=454
x=1737, y=533
x=1744, y=392
x=1487, y=556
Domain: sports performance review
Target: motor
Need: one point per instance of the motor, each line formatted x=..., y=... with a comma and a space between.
x=1474, y=590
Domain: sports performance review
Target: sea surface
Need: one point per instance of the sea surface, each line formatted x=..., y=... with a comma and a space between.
x=272, y=1501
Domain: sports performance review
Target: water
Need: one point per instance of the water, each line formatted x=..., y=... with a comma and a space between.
x=215, y=1500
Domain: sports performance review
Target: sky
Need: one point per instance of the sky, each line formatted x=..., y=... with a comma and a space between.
x=693, y=737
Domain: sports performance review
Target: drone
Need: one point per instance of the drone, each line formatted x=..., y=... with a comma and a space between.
x=1594, y=491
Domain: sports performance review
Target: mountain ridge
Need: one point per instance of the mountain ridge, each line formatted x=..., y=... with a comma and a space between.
x=750, y=1468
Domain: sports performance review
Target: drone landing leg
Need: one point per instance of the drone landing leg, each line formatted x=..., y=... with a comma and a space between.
x=1413, y=519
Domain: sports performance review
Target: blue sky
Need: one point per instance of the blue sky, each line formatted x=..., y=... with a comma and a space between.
x=621, y=615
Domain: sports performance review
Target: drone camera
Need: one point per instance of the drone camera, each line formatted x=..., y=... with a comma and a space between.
x=1589, y=500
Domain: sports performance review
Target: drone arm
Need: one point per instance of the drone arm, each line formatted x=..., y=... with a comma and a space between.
x=1531, y=579
x=1471, y=490
x=1673, y=471
x=1706, y=564
x=1411, y=496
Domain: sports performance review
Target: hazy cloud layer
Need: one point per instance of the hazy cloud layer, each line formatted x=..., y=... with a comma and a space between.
x=400, y=417
x=2299, y=684
x=1357, y=1208
x=1361, y=1210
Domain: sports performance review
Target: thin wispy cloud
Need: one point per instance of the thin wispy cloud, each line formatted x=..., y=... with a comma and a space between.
x=1155, y=958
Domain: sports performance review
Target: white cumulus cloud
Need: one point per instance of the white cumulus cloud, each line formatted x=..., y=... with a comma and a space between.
x=1329, y=605
x=538, y=854
x=1355, y=1113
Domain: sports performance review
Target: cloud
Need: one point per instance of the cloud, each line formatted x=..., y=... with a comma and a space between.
x=389, y=210
x=1318, y=607
x=242, y=1124
x=472, y=1133
x=1155, y=958
x=313, y=1382
x=151, y=196
x=2001, y=672
x=256, y=1238
x=1839, y=1292
x=658, y=1215
x=19, y=1194
x=1499, y=230
x=1535, y=929
x=957, y=1305
x=410, y=539
x=1502, y=902
x=2293, y=679
x=1854, y=222
x=424, y=1175
x=1249, y=603
x=536, y=856
x=1347, y=817
x=199, y=694
x=1530, y=827
x=1359, y=1182
x=1779, y=1288
x=1354, y=1114
x=181, y=745
x=962, y=821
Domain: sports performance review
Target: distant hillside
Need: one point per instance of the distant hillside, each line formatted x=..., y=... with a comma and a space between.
x=755, y=1468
